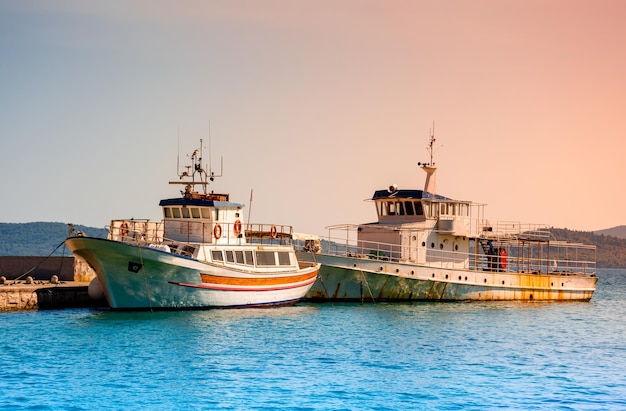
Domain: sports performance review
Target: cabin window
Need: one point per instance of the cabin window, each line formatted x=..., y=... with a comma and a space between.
x=392, y=208
x=283, y=258
x=249, y=257
x=176, y=212
x=217, y=214
x=418, y=208
x=408, y=207
x=167, y=212
x=400, y=210
x=206, y=213
x=217, y=255
x=185, y=212
x=384, y=210
x=239, y=257
x=195, y=212
x=379, y=208
x=265, y=258
x=229, y=256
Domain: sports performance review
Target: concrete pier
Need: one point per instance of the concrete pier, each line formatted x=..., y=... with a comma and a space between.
x=41, y=295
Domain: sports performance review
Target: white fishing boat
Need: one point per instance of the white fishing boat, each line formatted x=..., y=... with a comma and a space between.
x=201, y=255
x=425, y=246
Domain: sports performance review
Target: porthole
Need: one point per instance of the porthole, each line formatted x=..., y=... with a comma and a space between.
x=414, y=238
x=423, y=243
x=432, y=245
x=354, y=265
x=460, y=278
x=465, y=278
x=397, y=270
x=456, y=247
x=562, y=284
x=433, y=275
x=485, y=280
x=412, y=272
x=381, y=268
x=502, y=282
x=441, y=246
x=446, y=276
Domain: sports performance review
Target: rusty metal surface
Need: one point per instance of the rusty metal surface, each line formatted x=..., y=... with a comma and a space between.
x=354, y=279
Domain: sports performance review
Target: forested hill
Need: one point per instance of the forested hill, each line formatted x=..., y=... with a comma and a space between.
x=610, y=253
x=41, y=239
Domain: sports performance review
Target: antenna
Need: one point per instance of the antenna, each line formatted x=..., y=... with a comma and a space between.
x=178, y=151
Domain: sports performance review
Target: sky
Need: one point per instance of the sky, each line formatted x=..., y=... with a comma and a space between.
x=314, y=105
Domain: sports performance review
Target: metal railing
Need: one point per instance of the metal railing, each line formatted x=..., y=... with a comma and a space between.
x=517, y=249
x=146, y=232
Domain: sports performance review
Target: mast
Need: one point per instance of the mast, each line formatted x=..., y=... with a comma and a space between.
x=429, y=168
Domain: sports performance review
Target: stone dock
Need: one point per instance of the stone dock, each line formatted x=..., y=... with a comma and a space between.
x=45, y=295
x=44, y=283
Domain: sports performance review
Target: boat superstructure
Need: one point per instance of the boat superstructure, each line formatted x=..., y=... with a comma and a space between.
x=200, y=255
x=425, y=246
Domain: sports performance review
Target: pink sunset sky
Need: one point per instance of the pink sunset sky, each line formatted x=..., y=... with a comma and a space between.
x=314, y=105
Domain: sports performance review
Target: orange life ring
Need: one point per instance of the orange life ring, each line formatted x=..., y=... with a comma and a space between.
x=237, y=228
x=124, y=229
x=217, y=231
x=503, y=258
x=273, y=232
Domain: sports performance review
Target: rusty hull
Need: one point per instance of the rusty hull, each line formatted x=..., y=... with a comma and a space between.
x=357, y=279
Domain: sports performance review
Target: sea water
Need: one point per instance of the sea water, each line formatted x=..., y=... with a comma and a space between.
x=444, y=356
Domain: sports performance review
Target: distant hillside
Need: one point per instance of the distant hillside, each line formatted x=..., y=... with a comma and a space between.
x=38, y=239
x=619, y=232
x=610, y=253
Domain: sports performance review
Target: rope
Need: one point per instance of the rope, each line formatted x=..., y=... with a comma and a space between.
x=145, y=279
x=366, y=284
x=42, y=261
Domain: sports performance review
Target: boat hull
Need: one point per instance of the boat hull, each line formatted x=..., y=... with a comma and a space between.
x=136, y=277
x=357, y=279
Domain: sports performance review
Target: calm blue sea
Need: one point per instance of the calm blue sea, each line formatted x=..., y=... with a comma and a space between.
x=444, y=356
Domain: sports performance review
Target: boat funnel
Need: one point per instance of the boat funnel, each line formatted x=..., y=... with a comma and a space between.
x=429, y=184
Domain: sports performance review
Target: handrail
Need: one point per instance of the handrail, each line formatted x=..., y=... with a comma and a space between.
x=522, y=254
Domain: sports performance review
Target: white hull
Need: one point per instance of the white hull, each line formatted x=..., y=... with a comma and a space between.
x=139, y=277
x=343, y=278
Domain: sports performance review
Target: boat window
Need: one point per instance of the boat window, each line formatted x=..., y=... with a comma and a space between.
x=249, y=259
x=400, y=206
x=176, y=212
x=265, y=258
x=195, y=212
x=239, y=257
x=283, y=258
x=206, y=213
x=418, y=208
x=217, y=214
x=379, y=208
x=217, y=255
x=392, y=208
x=185, y=212
x=167, y=212
x=229, y=256
x=408, y=206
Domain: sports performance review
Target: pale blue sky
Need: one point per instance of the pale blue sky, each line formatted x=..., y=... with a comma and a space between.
x=314, y=105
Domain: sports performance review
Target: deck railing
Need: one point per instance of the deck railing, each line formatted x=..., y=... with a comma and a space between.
x=146, y=232
x=528, y=251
